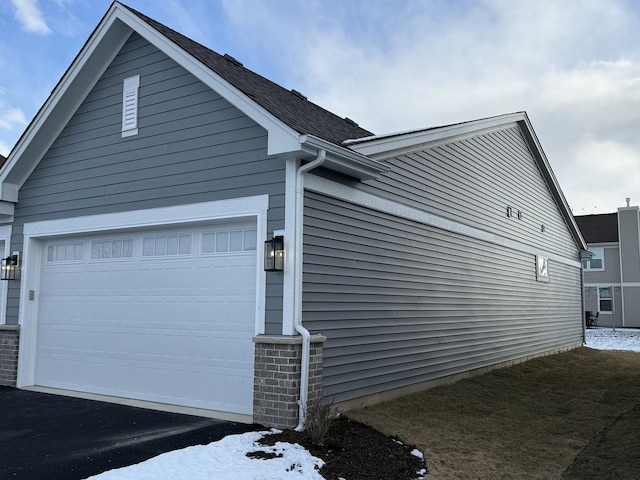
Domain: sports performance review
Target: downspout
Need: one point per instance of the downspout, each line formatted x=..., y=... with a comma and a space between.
x=584, y=318
x=297, y=295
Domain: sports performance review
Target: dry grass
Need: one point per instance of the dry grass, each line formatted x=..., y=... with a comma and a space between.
x=523, y=422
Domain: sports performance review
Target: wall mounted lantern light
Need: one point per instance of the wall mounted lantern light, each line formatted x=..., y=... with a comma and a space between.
x=8, y=267
x=274, y=254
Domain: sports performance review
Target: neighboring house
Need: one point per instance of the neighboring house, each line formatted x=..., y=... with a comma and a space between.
x=612, y=275
x=140, y=197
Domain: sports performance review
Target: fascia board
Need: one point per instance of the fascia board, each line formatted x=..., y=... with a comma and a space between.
x=97, y=53
x=385, y=146
x=343, y=160
x=551, y=180
x=281, y=137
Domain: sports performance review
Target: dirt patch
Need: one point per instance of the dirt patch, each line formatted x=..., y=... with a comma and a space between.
x=355, y=451
x=612, y=454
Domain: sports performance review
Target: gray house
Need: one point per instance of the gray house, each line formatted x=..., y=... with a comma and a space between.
x=148, y=206
x=612, y=275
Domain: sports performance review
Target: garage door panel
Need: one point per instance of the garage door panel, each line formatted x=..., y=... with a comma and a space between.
x=156, y=327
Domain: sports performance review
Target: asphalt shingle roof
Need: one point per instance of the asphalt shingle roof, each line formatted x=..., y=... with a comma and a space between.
x=291, y=108
x=598, y=228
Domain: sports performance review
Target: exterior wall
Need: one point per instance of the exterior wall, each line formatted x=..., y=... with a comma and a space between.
x=629, y=237
x=192, y=146
x=632, y=306
x=605, y=319
x=9, y=341
x=277, y=378
x=402, y=303
x=473, y=181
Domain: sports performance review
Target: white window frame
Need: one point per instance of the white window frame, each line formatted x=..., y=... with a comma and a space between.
x=606, y=312
x=542, y=268
x=595, y=251
x=130, y=88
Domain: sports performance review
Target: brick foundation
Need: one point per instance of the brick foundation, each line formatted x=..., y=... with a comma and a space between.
x=9, y=341
x=277, y=378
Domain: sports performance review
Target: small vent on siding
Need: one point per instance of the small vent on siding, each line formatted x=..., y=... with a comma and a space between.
x=233, y=60
x=130, y=106
x=298, y=94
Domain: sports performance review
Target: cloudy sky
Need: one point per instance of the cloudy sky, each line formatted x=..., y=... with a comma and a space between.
x=572, y=65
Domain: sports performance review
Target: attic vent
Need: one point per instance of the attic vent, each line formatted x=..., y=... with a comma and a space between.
x=130, y=106
x=351, y=122
x=233, y=60
x=298, y=94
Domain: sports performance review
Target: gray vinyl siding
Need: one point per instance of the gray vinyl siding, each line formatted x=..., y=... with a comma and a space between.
x=402, y=303
x=192, y=146
x=632, y=306
x=611, y=272
x=473, y=181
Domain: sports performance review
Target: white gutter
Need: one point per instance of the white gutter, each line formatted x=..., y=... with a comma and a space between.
x=297, y=281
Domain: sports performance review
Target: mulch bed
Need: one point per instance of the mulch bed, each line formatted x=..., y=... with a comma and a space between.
x=355, y=451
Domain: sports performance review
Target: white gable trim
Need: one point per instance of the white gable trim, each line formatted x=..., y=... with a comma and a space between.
x=98, y=52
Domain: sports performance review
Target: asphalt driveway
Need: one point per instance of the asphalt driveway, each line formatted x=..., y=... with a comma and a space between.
x=52, y=437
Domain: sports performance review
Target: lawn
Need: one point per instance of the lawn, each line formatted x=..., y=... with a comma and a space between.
x=529, y=421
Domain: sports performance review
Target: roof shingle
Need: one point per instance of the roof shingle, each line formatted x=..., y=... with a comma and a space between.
x=600, y=228
x=288, y=106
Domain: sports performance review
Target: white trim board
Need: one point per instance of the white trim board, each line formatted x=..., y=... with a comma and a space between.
x=32, y=254
x=348, y=194
x=5, y=235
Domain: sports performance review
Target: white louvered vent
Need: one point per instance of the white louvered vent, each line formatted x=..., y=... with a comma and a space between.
x=130, y=106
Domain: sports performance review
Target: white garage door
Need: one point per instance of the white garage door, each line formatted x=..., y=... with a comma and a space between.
x=164, y=316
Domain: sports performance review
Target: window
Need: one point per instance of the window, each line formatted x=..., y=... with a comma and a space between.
x=178, y=245
x=605, y=300
x=130, y=106
x=72, y=252
x=542, y=270
x=112, y=249
x=596, y=262
x=228, y=241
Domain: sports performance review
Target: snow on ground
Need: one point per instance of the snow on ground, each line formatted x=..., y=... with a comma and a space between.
x=227, y=459
x=610, y=339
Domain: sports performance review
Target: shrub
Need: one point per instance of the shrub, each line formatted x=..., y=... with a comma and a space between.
x=319, y=414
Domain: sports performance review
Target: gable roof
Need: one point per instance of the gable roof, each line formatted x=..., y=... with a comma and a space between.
x=294, y=125
x=290, y=107
x=385, y=146
x=601, y=228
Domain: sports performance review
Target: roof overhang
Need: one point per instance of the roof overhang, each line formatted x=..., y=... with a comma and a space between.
x=341, y=159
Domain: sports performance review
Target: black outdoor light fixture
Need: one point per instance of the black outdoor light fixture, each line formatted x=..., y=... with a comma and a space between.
x=274, y=254
x=9, y=267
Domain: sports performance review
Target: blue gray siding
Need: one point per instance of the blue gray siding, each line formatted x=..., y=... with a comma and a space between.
x=192, y=146
x=401, y=302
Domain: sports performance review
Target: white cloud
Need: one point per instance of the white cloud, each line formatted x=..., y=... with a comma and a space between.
x=30, y=16
x=573, y=66
x=11, y=117
x=604, y=164
x=4, y=149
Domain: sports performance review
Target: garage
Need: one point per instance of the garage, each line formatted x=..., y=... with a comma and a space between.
x=163, y=314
